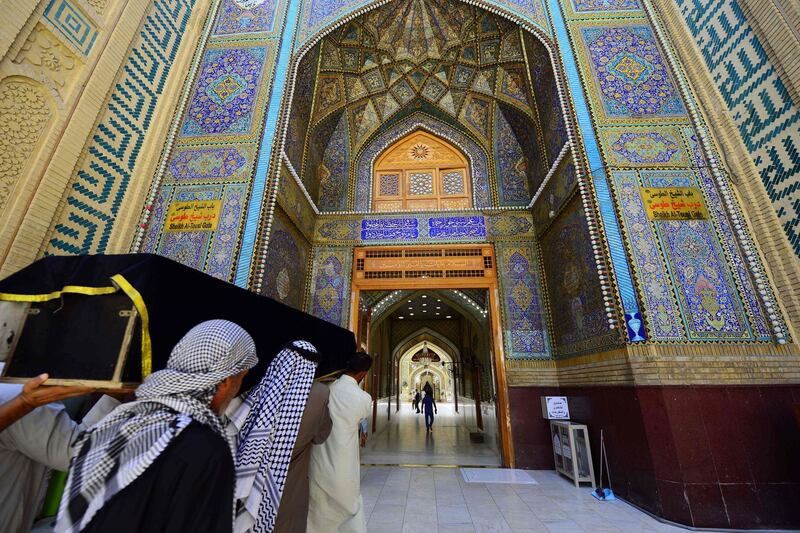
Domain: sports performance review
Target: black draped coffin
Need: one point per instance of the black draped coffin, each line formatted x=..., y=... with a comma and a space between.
x=81, y=317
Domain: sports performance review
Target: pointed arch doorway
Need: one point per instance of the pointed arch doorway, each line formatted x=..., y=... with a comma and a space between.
x=443, y=285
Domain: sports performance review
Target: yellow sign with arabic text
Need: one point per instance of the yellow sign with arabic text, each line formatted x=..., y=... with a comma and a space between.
x=195, y=215
x=674, y=203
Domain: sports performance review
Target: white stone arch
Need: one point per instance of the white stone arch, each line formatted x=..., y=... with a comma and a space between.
x=443, y=380
x=432, y=346
x=408, y=369
x=425, y=330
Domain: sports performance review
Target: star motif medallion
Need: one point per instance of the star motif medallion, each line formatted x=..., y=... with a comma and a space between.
x=226, y=87
x=420, y=151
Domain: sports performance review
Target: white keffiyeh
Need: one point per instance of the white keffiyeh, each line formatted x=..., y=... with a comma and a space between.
x=116, y=451
x=267, y=423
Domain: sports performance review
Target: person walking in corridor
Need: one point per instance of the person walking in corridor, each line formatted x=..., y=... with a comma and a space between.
x=429, y=406
x=415, y=403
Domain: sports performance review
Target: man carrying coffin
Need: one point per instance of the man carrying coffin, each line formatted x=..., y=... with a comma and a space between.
x=163, y=462
x=35, y=436
x=334, y=476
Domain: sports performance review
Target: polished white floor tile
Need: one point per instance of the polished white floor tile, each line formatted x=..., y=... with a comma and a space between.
x=431, y=500
x=384, y=513
x=453, y=514
x=455, y=528
x=423, y=499
x=498, y=475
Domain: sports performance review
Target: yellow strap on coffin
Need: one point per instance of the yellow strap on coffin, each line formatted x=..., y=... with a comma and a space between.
x=68, y=289
x=122, y=284
x=141, y=308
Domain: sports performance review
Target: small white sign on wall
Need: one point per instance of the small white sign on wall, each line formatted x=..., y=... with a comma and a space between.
x=555, y=408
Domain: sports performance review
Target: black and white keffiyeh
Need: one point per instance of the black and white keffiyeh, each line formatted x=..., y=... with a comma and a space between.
x=268, y=421
x=116, y=451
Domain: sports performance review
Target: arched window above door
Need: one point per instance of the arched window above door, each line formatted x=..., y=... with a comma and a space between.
x=421, y=172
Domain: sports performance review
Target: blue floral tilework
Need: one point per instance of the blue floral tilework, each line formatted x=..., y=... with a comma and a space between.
x=601, y=6
x=524, y=334
x=531, y=10
x=512, y=165
x=706, y=293
x=226, y=92
x=578, y=312
x=245, y=16
x=652, y=146
x=331, y=284
x=286, y=262
x=206, y=164
x=333, y=169
x=315, y=14
x=662, y=317
x=223, y=244
x=629, y=73
x=741, y=271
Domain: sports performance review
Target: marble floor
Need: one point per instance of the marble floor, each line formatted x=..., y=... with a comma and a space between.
x=438, y=500
x=404, y=441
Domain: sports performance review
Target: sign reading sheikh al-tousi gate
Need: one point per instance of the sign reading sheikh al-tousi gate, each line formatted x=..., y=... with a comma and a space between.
x=674, y=203
x=194, y=215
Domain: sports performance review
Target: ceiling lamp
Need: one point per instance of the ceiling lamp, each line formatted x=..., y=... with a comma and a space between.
x=425, y=357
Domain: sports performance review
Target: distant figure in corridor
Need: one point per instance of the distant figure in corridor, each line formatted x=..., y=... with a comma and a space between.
x=429, y=406
x=415, y=403
x=335, y=473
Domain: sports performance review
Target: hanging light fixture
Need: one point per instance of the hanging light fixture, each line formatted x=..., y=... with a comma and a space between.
x=425, y=357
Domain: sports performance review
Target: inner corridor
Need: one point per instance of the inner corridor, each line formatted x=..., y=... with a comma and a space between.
x=404, y=441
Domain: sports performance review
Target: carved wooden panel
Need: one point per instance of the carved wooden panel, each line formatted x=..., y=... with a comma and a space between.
x=415, y=266
x=421, y=172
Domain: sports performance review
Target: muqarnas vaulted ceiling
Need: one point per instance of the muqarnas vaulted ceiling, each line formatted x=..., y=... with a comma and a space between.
x=458, y=64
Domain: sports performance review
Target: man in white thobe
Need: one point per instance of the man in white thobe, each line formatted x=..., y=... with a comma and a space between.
x=335, y=504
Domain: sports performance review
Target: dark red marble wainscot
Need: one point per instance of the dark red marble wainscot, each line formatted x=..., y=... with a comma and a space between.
x=703, y=456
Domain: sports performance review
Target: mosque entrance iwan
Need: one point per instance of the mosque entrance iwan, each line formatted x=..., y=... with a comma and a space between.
x=429, y=317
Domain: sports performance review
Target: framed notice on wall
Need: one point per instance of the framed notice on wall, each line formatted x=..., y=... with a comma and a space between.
x=555, y=408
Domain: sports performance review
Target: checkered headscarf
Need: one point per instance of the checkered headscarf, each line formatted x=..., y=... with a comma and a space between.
x=267, y=424
x=112, y=454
